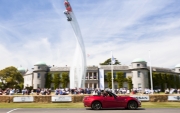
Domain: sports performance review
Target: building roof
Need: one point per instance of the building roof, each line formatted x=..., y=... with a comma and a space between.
x=178, y=65
x=29, y=72
x=138, y=60
x=21, y=69
x=161, y=69
x=115, y=67
x=40, y=63
x=92, y=68
x=59, y=69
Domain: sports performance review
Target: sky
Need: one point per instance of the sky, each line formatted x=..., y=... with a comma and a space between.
x=37, y=30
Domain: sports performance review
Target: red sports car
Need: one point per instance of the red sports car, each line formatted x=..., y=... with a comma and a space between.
x=110, y=100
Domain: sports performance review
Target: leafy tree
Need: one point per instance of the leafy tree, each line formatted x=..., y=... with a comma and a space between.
x=108, y=62
x=109, y=79
x=65, y=79
x=177, y=81
x=1, y=85
x=130, y=85
x=48, y=80
x=172, y=81
x=56, y=80
x=120, y=79
x=168, y=80
x=163, y=81
x=10, y=77
x=155, y=79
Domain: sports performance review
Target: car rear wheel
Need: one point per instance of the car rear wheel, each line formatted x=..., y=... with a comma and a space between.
x=132, y=105
x=96, y=105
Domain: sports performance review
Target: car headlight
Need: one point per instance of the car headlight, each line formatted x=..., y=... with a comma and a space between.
x=86, y=98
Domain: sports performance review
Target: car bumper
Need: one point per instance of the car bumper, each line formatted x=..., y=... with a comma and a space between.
x=87, y=103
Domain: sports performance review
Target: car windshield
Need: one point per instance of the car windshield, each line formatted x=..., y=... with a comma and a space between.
x=111, y=94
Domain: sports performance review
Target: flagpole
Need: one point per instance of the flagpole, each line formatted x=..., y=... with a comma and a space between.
x=112, y=73
x=112, y=77
x=151, y=73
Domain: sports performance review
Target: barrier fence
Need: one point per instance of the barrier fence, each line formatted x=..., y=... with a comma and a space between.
x=79, y=98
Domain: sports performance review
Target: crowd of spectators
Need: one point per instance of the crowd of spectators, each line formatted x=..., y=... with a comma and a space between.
x=172, y=90
x=67, y=91
x=9, y=91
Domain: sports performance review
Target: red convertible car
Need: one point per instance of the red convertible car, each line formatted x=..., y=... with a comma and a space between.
x=110, y=100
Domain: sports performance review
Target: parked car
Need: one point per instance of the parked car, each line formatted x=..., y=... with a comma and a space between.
x=111, y=100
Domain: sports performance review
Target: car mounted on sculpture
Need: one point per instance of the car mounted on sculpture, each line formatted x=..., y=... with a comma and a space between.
x=68, y=10
x=111, y=100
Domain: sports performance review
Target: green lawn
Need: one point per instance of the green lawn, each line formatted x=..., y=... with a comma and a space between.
x=161, y=104
x=80, y=105
x=41, y=105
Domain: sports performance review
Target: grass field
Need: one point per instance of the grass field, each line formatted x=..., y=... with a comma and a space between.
x=80, y=105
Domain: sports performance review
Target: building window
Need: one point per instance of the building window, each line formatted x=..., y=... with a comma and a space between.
x=38, y=67
x=124, y=75
x=39, y=75
x=138, y=65
x=139, y=74
x=105, y=76
x=38, y=85
x=95, y=85
x=95, y=77
x=86, y=75
x=90, y=75
x=139, y=85
x=114, y=75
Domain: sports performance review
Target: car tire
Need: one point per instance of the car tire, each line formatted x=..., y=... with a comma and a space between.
x=132, y=105
x=96, y=105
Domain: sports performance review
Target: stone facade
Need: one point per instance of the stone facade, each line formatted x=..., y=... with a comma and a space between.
x=138, y=70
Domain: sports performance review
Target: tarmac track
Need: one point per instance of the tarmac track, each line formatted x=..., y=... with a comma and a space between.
x=87, y=110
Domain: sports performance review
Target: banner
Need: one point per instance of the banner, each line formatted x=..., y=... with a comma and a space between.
x=101, y=79
x=141, y=98
x=174, y=98
x=61, y=98
x=23, y=99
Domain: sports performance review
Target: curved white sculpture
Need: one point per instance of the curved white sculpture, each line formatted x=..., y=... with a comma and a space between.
x=78, y=68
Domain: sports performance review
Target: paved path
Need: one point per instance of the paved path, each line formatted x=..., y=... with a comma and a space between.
x=83, y=110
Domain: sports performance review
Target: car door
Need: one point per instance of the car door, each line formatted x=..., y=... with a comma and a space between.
x=120, y=101
x=109, y=102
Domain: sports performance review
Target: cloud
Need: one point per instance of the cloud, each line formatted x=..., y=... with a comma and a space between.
x=128, y=28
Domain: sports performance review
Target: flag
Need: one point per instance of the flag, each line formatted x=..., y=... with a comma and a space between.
x=112, y=59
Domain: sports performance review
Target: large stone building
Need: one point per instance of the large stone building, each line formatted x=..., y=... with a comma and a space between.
x=138, y=70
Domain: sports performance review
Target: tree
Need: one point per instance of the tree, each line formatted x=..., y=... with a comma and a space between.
x=163, y=81
x=65, y=79
x=109, y=79
x=130, y=85
x=10, y=77
x=177, y=81
x=168, y=80
x=120, y=79
x=56, y=80
x=108, y=62
x=155, y=78
x=48, y=80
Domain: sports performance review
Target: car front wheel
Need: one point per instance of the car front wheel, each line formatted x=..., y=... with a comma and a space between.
x=96, y=105
x=132, y=105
